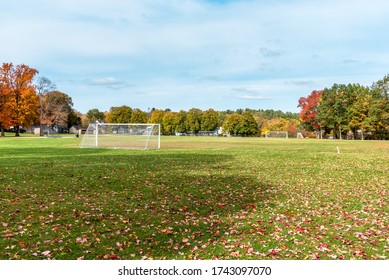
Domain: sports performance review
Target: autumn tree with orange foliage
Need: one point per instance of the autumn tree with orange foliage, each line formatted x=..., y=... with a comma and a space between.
x=19, y=102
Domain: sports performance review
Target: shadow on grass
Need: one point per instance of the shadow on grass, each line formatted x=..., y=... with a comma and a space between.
x=99, y=204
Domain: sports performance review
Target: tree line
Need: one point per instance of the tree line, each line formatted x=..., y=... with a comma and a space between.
x=241, y=122
x=352, y=111
x=348, y=111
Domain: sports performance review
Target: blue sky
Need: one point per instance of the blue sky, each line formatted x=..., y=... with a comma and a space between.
x=181, y=54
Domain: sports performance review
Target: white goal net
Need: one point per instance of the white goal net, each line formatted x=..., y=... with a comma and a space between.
x=277, y=134
x=122, y=136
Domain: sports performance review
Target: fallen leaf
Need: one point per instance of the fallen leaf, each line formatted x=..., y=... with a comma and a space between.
x=46, y=253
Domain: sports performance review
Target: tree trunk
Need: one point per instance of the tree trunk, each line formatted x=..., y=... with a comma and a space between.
x=340, y=132
x=17, y=133
x=41, y=114
x=335, y=133
x=2, y=134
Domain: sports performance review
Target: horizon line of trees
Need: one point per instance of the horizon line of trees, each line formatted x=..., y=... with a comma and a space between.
x=27, y=100
x=241, y=122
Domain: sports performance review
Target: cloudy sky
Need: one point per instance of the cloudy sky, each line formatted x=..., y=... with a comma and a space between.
x=180, y=54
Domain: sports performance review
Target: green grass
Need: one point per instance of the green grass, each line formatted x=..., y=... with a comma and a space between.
x=197, y=197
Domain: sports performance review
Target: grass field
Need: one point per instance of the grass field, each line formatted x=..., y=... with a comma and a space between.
x=196, y=198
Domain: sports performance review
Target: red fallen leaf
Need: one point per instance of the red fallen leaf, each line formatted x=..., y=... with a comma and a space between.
x=277, y=229
x=113, y=257
x=5, y=224
x=250, y=251
x=9, y=235
x=359, y=253
x=273, y=252
x=301, y=229
x=323, y=245
x=249, y=206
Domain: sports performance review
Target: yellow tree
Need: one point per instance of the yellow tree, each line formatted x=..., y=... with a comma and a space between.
x=22, y=102
x=170, y=120
x=157, y=116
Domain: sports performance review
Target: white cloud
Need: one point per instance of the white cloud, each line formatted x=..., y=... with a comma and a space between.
x=248, y=93
x=107, y=82
x=252, y=97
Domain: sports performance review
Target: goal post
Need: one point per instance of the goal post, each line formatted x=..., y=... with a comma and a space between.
x=122, y=136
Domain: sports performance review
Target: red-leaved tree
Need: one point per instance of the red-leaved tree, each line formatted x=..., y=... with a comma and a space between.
x=309, y=107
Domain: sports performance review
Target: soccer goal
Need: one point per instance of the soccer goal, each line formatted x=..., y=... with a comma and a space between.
x=122, y=136
x=277, y=134
x=300, y=136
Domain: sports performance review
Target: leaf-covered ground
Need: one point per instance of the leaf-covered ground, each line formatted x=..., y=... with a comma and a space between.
x=196, y=198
